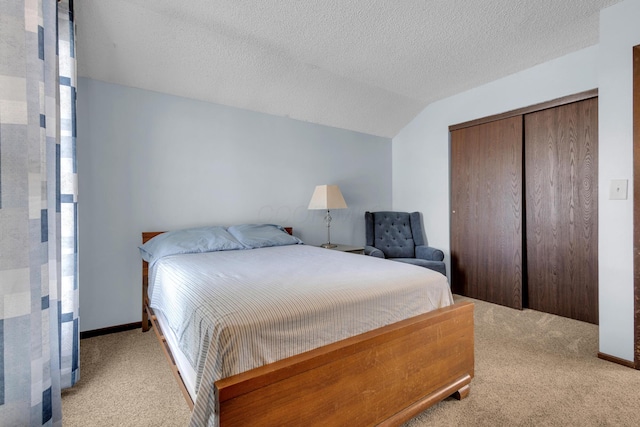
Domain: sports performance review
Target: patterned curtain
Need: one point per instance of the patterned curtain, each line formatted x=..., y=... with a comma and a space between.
x=69, y=328
x=36, y=262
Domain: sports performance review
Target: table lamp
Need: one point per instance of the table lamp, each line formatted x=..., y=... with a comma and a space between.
x=327, y=197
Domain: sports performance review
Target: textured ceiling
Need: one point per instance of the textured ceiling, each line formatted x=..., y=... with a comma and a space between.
x=365, y=65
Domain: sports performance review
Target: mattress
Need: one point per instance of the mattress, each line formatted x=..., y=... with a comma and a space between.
x=231, y=311
x=187, y=372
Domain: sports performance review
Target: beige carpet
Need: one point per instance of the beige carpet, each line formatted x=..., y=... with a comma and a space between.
x=532, y=369
x=125, y=380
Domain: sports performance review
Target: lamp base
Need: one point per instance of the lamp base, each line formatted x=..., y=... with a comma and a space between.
x=328, y=245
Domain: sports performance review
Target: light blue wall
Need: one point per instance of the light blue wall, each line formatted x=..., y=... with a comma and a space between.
x=150, y=161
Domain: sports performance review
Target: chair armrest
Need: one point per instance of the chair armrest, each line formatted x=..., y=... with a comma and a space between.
x=370, y=250
x=429, y=253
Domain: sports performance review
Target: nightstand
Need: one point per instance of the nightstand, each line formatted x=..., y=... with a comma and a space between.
x=350, y=249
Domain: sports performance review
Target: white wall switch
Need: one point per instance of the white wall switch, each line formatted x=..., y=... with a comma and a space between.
x=618, y=189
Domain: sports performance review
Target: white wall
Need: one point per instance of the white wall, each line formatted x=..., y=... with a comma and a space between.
x=619, y=32
x=150, y=161
x=421, y=154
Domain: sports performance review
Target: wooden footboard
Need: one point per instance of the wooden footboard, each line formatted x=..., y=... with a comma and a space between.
x=382, y=377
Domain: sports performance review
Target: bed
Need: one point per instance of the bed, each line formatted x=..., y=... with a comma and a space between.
x=299, y=334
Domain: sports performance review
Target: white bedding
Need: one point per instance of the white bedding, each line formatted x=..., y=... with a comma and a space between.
x=187, y=373
x=232, y=311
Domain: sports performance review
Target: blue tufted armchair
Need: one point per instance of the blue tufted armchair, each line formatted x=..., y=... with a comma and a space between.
x=399, y=236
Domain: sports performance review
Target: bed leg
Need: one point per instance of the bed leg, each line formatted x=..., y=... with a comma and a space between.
x=145, y=301
x=462, y=393
x=145, y=320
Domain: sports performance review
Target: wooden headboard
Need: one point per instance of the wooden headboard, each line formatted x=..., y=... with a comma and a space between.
x=148, y=235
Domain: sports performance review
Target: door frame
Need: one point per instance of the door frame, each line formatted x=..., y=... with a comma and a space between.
x=569, y=99
x=636, y=204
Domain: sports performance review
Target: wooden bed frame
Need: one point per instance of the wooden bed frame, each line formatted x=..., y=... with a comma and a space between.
x=382, y=377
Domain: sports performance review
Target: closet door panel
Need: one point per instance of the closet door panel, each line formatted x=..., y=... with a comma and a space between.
x=486, y=212
x=561, y=147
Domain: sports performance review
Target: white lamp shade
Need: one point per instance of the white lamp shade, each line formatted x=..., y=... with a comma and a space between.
x=327, y=197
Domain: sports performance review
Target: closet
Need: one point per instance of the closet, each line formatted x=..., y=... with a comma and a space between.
x=524, y=208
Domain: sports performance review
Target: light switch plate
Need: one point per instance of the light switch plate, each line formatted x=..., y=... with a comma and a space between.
x=618, y=189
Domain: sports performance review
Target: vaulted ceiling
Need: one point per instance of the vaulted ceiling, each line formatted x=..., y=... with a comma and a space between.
x=365, y=65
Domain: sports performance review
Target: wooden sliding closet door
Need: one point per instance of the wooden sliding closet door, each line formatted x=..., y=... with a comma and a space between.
x=486, y=212
x=561, y=181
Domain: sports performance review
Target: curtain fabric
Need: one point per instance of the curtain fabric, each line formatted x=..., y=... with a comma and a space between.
x=34, y=313
x=69, y=327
